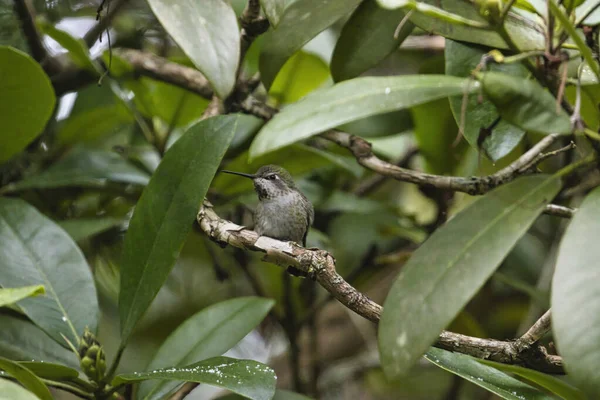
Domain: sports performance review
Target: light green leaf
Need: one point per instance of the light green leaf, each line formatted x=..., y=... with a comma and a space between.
x=165, y=214
x=301, y=21
x=13, y=391
x=12, y=295
x=300, y=75
x=82, y=228
x=208, y=333
x=22, y=340
x=524, y=103
x=34, y=250
x=350, y=101
x=366, y=39
x=452, y=265
x=447, y=18
x=93, y=124
x=248, y=378
x=78, y=51
x=208, y=33
x=26, y=378
x=87, y=168
x=49, y=370
x=576, y=296
x=487, y=377
x=461, y=59
x=26, y=103
x=554, y=385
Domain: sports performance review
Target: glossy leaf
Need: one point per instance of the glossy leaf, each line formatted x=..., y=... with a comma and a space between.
x=22, y=340
x=13, y=391
x=77, y=50
x=461, y=59
x=34, y=250
x=208, y=34
x=524, y=103
x=49, y=370
x=300, y=75
x=575, y=284
x=83, y=228
x=12, y=295
x=487, y=377
x=549, y=382
x=87, y=168
x=248, y=378
x=93, y=124
x=524, y=33
x=350, y=101
x=26, y=103
x=208, y=333
x=26, y=378
x=366, y=39
x=165, y=213
x=452, y=265
x=301, y=21
x=274, y=9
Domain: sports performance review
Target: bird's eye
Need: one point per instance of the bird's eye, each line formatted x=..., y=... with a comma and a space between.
x=271, y=177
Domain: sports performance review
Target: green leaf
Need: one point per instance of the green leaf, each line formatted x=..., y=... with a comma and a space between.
x=300, y=75
x=93, y=124
x=274, y=9
x=366, y=39
x=12, y=295
x=487, y=377
x=83, y=228
x=26, y=378
x=78, y=51
x=208, y=34
x=287, y=395
x=165, y=214
x=14, y=391
x=87, y=168
x=446, y=21
x=26, y=103
x=22, y=340
x=248, y=378
x=461, y=59
x=575, y=284
x=350, y=101
x=451, y=266
x=301, y=21
x=48, y=370
x=297, y=159
x=208, y=333
x=34, y=250
x=585, y=50
x=524, y=103
x=554, y=385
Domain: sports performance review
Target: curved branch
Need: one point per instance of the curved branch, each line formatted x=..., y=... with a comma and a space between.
x=321, y=265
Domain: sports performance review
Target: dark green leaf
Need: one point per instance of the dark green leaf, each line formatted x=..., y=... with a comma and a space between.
x=85, y=167
x=575, y=300
x=301, y=21
x=34, y=250
x=524, y=103
x=209, y=333
x=487, y=377
x=526, y=34
x=300, y=75
x=452, y=265
x=274, y=9
x=78, y=51
x=26, y=102
x=22, y=340
x=366, y=39
x=83, y=228
x=12, y=295
x=208, y=33
x=26, y=378
x=350, y=101
x=93, y=124
x=165, y=214
x=48, y=370
x=555, y=385
x=461, y=60
x=248, y=378
x=14, y=391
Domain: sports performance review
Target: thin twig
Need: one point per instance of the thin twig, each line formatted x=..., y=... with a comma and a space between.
x=535, y=333
x=95, y=32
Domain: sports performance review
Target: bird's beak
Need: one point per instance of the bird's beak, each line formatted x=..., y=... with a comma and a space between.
x=251, y=176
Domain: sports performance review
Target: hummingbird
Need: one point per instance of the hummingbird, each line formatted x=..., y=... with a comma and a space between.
x=283, y=211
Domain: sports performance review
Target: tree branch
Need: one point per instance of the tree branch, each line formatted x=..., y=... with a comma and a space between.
x=321, y=265
x=94, y=33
